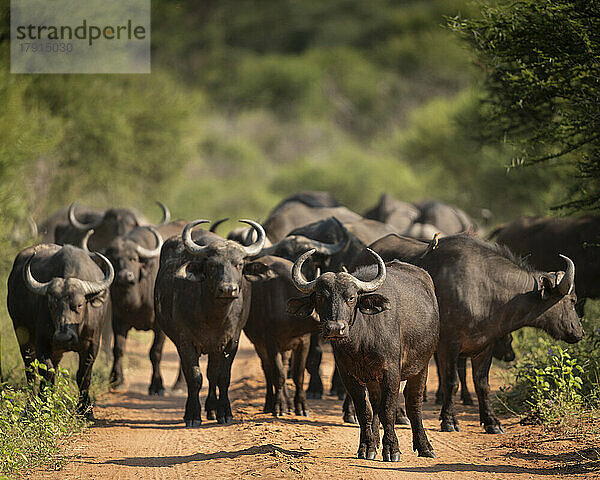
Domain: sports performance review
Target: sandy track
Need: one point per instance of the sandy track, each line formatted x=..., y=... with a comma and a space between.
x=137, y=436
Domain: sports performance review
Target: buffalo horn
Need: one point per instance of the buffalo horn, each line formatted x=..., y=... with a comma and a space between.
x=565, y=287
x=147, y=253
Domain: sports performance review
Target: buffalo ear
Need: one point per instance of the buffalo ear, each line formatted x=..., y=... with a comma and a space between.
x=546, y=286
x=373, y=303
x=301, y=306
x=257, y=271
x=97, y=299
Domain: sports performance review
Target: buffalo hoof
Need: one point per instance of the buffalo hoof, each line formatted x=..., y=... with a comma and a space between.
x=210, y=415
x=394, y=457
x=349, y=418
x=371, y=454
x=427, y=454
x=193, y=423
x=179, y=387
x=160, y=392
x=314, y=395
x=301, y=412
x=449, y=427
x=227, y=419
x=493, y=429
x=402, y=421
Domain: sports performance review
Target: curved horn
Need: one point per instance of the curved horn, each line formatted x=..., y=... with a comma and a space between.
x=32, y=284
x=186, y=236
x=84, y=240
x=565, y=287
x=214, y=226
x=76, y=223
x=378, y=280
x=147, y=253
x=166, y=213
x=91, y=288
x=299, y=281
x=32, y=226
x=256, y=247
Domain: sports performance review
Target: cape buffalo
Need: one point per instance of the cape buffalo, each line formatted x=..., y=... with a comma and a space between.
x=58, y=299
x=389, y=210
x=378, y=340
x=275, y=332
x=484, y=293
x=541, y=239
x=112, y=223
x=201, y=301
x=447, y=219
x=135, y=259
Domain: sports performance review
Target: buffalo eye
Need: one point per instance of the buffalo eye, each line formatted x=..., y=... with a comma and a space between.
x=351, y=299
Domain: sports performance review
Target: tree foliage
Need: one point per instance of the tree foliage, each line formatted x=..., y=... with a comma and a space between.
x=542, y=79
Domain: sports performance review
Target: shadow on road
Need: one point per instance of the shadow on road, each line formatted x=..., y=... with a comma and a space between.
x=199, y=457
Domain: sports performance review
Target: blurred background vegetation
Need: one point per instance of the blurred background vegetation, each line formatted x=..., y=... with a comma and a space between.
x=250, y=101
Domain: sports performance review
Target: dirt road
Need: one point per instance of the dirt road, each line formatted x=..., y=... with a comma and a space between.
x=137, y=436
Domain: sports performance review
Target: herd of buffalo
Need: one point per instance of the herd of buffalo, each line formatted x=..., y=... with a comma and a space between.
x=388, y=290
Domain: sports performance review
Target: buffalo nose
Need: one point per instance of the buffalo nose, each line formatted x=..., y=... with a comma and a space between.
x=126, y=276
x=337, y=329
x=65, y=338
x=228, y=290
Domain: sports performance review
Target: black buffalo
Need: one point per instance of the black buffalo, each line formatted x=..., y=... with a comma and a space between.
x=378, y=340
x=58, y=300
x=484, y=293
x=112, y=223
x=397, y=213
x=541, y=239
x=275, y=333
x=446, y=218
x=135, y=258
x=202, y=301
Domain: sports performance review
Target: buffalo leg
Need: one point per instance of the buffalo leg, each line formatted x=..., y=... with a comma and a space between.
x=278, y=379
x=413, y=393
x=313, y=366
x=374, y=390
x=481, y=370
x=387, y=414
x=438, y=394
x=367, y=447
x=156, y=384
x=270, y=391
x=219, y=374
x=120, y=330
x=447, y=358
x=193, y=377
x=298, y=365
x=84, y=377
x=179, y=384
x=337, y=387
x=401, y=418
x=465, y=395
x=348, y=410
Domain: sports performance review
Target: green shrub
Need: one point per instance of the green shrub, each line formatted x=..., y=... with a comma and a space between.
x=553, y=380
x=33, y=422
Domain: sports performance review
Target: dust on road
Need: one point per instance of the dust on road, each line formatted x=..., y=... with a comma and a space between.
x=137, y=436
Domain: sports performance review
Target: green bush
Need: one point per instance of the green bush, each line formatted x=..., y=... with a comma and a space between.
x=34, y=422
x=553, y=379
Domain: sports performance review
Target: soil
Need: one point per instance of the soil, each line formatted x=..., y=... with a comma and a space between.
x=141, y=437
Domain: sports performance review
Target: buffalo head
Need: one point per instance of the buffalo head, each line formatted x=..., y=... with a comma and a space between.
x=132, y=263
x=69, y=300
x=555, y=307
x=337, y=296
x=219, y=264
